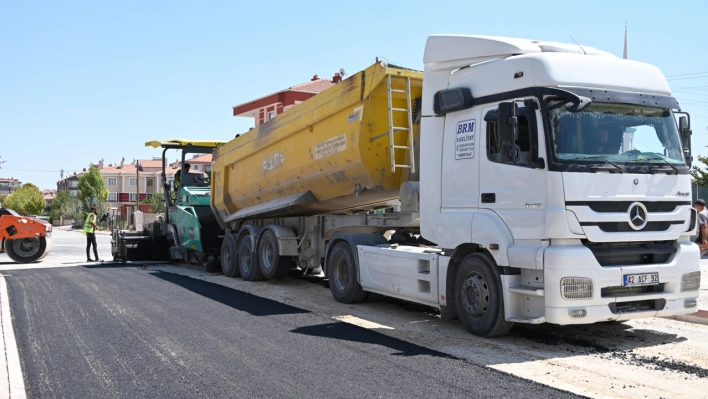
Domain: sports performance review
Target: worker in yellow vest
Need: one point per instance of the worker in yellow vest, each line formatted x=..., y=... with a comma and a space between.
x=89, y=231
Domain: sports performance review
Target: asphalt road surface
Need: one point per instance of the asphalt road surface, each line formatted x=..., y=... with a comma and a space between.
x=114, y=331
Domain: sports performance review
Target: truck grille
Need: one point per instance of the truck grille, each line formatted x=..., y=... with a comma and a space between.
x=637, y=306
x=620, y=291
x=623, y=227
x=623, y=206
x=631, y=253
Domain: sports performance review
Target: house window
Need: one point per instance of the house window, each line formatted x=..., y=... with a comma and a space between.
x=150, y=182
x=112, y=181
x=271, y=115
x=148, y=196
x=133, y=181
x=112, y=197
x=133, y=196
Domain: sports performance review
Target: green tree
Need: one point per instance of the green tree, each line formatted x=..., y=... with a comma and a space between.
x=700, y=174
x=63, y=206
x=27, y=200
x=157, y=201
x=2, y=199
x=92, y=189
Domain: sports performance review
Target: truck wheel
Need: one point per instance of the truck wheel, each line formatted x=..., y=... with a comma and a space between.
x=229, y=250
x=26, y=250
x=342, y=272
x=478, y=296
x=247, y=263
x=273, y=266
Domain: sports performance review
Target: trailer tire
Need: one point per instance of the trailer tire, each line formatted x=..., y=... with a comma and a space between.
x=343, y=275
x=247, y=261
x=26, y=250
x=479, y=297
x=273, y=266
x=229, y=257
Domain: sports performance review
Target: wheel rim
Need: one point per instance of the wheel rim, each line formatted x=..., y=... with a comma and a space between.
x=341, y=274
x=475, y=295
x=227, y=258
x=26, y=247
x=268, y=255
x=245, y=260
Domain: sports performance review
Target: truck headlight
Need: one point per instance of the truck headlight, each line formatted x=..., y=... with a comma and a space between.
x=691, y=281
x=576, y=288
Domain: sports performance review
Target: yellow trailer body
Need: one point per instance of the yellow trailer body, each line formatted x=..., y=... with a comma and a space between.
x=330, y=153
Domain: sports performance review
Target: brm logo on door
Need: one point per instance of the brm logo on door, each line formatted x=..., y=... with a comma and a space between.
x=464, y=139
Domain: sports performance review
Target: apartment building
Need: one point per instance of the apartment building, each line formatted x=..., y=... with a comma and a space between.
x=8, y=185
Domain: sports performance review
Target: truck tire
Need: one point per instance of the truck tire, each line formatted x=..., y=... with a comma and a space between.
x=26, y=250
x=343, y=275
x=247, y=262
x=273, y=266
x=229, y=257
x=479, y=297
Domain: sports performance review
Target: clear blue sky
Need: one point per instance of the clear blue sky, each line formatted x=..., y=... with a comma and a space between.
x=85, y=80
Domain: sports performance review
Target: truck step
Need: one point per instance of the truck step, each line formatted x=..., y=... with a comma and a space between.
x=527, y=320
x=528, y=291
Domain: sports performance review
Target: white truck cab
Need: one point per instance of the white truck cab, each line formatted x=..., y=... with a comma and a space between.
x=554, y=180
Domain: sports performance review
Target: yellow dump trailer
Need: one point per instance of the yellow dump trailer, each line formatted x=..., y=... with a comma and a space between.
x=349, y=147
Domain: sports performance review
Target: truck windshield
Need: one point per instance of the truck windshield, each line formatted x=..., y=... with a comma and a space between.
x=616, y=133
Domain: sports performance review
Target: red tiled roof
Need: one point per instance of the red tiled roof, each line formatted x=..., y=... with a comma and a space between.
x=127, y=169
x=206, y=158
x=314, y=86
x=151, y=163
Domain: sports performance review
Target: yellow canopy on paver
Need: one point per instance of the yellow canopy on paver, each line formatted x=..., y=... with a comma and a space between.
x=178, y=143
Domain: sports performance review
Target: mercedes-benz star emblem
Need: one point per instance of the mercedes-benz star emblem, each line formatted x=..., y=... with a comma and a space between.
x=637, y=215
x=636, y=182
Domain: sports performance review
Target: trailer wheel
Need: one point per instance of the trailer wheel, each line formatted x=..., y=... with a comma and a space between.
x=26, y=250
x=478, y=296
x=229, y=250
x=247, y=263
x=273, y=266
x=342, y=272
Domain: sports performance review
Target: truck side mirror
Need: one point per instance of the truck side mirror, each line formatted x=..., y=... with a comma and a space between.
x=508, y=122
x=685, y=131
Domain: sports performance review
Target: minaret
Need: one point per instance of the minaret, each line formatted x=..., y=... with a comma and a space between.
x=626, y=44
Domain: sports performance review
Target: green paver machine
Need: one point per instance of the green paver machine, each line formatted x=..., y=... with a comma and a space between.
x=187, y=231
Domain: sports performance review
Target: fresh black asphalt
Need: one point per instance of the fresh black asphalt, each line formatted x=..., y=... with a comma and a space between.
x=110, y=331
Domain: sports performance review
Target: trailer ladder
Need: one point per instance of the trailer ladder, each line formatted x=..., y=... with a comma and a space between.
x=393, y=129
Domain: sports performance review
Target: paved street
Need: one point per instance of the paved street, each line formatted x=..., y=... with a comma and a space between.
x=157, y=330
x=126, y=331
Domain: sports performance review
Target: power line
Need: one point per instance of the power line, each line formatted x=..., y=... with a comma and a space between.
x=687, y=74
x=694, y=77
x=42, y=171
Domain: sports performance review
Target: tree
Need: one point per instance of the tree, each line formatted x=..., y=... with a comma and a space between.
x=700, y=174
x=2, y=199
x=63, y=206
x=27, y=200
x=92, y=189
x=157, y=201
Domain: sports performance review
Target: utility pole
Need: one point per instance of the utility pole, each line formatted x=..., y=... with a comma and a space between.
x=137, y=187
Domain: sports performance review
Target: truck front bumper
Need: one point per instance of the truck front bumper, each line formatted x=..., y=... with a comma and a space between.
x=608, y=300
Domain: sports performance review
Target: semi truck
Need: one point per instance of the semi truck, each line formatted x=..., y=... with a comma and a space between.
x=512, y=181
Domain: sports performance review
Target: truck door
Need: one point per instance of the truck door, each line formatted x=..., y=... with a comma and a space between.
x=460, y=162
x=514, y=188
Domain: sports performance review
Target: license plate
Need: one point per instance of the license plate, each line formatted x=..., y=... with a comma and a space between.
x=631, y=280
